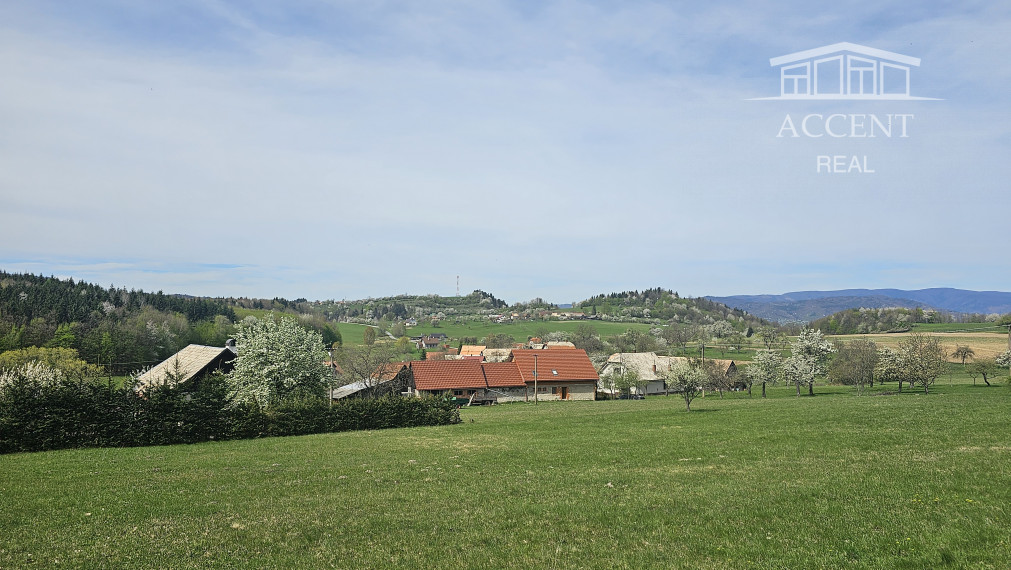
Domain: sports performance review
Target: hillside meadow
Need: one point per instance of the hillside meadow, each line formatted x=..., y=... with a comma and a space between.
x=837, y=480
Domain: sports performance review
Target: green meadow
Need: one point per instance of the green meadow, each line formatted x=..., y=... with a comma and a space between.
x=881, y=480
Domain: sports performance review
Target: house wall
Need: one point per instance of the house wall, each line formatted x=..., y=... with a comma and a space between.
x=577, y=391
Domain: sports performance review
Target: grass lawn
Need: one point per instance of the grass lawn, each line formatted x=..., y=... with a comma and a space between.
x=837, y=480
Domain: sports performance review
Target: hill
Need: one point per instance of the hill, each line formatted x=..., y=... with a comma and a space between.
x=806, y=306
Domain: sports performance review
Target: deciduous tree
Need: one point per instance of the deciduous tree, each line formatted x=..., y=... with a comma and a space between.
x=277, y=359
x=766, y=367
x=963, y=352
x=854, y=363
x=807, y=359
x=688, y=379
x=985, y=367
x=923, y=359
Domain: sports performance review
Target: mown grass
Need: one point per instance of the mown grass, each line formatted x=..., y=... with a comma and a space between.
x=837, y=480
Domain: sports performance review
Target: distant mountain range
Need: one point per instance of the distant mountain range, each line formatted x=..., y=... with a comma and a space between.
x=806, y=306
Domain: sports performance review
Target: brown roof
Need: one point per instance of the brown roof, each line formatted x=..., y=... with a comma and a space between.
x=502, y=374
x=447, y=374
x=472, y=350
x=555, y=365
x=457, y=374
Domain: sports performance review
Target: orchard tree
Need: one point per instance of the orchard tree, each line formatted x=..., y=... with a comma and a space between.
x=889, y=366
x=771, y=336
x=963, y=352
x=766, y=368
x=369, y=336
x=277, y=359
x=687, y=378
x=585, y=337
x=1004, y=359
x=854, y=363
x=626, y=381
x=923, y=359
x=366, y=364
x=807, y=359
x=985, y=367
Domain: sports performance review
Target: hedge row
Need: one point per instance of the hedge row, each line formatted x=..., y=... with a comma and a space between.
x=36, y=417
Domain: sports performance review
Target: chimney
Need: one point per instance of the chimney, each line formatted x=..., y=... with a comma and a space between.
x=230, y=345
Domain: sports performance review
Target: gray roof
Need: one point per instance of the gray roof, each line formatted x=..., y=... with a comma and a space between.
x=184, y=364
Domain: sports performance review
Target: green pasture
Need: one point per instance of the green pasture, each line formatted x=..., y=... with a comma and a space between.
x=882, y=480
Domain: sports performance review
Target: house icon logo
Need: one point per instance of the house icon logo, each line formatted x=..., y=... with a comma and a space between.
x=845, y=71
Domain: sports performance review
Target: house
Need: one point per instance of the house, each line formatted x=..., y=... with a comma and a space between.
x=481, y=382
x=193, y=361
x=844, y=71
x=429, y=342
x=447, y=354
x=649, y=366
x=651, y=369
x=472, y=351
x=546, y=375
x=497, y=354
x=559, y=374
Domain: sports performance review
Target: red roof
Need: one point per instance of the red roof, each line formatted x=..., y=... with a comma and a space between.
x=552, y=366
x=459, y=374
x=447, y=374
x=555, y=365
x=502, y=374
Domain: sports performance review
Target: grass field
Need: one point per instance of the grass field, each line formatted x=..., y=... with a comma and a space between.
x=833, y=481
x=983, y=343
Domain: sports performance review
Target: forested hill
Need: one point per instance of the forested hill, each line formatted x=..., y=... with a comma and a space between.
x=127, y=329
x=665, y=305
x=24, y=297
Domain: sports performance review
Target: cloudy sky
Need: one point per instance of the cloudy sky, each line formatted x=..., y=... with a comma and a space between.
x=557, y=149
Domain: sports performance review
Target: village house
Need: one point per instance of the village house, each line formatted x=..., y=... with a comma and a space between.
x=529, y=375
x=651, y=369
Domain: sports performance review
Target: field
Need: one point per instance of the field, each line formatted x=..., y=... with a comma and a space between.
x=983, y=343
x=837, y=480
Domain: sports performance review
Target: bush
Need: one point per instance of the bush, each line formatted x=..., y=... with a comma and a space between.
x=53, y=413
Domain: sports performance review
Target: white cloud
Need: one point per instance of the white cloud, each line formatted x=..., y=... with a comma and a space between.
x=342, y=150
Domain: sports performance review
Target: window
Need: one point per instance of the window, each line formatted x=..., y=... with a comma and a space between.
x=894, y=79
x=863, y=76
x=796, y=79
x=828, y=76
x=458, y=392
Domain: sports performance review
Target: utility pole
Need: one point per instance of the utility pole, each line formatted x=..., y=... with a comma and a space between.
x=535, y=379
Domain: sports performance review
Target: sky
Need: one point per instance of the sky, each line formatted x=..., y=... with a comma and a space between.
x=553, y=149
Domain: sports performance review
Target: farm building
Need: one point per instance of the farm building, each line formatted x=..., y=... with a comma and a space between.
x=193, y=361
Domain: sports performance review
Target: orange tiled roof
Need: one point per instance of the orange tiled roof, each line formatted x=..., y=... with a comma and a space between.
x=502, y=374
x=447, y=374
x=458, y=374
x=472, y=350
x=555, y=365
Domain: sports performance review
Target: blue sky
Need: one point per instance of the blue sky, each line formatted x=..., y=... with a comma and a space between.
x=558, y=149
